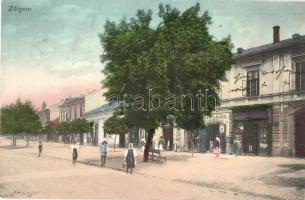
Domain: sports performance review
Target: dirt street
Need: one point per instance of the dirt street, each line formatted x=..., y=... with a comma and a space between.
x=25, y=175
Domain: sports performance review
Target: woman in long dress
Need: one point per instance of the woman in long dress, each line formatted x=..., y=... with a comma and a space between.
x=130, y=156
x=216, y=149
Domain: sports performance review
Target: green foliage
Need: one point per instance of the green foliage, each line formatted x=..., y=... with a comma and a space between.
x=63, y=128
x=195, y=60
x=178, y=57
x=20, y=117
x=115, y=125
x=80, y=126
x=132, y=67
x=50, y=129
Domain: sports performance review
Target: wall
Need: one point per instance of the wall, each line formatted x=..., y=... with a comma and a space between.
x=54, y=110
x=271, y=81
x=94, y=99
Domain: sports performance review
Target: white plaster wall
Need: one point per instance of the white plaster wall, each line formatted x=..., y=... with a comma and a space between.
x=94, y=99
x=157, y=135
x=54, y=111
x=274, y=82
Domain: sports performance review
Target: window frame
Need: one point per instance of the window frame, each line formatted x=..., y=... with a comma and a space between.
x=249, y=83
x=300, y=76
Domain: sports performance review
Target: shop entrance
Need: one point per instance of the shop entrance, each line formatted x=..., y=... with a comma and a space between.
x=250, y=137
x=300, y=134
x=213, y=131
x=255, y=137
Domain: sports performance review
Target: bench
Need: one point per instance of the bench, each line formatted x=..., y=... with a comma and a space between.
x=155, y=156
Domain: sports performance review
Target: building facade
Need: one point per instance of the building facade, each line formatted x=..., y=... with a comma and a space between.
x=97, y=118
x=94, y=99
x=264, y=99
x=71, y=108
x=54, y=110
x=44, y=114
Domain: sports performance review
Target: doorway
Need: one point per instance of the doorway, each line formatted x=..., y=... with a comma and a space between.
x=213, y=131
x=300, y=134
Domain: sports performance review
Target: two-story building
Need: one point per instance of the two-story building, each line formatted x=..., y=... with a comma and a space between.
x=72, y=108
x=263, y=101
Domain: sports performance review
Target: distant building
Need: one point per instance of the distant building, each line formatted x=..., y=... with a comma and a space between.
x=72, y=108
x=94, y=99
x=54, y=110
x=97, y=117
x=44, y=114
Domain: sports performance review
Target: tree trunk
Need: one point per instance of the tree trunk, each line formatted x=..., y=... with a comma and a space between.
x=81, y=138
x=150, y=136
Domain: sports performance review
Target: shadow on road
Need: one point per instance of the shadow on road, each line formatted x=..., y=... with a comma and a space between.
x=282, y=178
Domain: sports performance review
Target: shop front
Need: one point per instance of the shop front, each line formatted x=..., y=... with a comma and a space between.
x=217, y=125
x=252, y=131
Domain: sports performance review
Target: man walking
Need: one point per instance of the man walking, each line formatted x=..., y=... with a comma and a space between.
x=104, y=151
x=39, y=148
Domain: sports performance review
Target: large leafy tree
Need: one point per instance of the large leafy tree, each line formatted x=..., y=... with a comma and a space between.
x=179, y=57
x=132, y=69
x=195, y=60
x=20, y=118
x=80, y=126
x=64, y=128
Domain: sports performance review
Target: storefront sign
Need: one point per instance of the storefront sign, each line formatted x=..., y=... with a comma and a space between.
x=222, y=128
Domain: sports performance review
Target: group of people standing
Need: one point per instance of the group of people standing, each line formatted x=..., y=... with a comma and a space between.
x=130, y=155
x=129, y=159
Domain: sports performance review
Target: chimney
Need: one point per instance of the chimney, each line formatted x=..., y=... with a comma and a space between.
x=240, y=50
x=276, y=34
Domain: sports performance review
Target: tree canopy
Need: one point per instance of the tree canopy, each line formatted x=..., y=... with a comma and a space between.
x=161, y=71
x=80, y=126
x=20, y=117
x=115, y=125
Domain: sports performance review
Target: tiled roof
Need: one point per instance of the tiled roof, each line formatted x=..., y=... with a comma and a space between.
x=297, y=40
x=70, y=100
x=104, y=108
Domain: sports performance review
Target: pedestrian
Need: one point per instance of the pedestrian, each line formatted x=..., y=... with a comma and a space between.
x=39, y=148
x=104, y=151
x=238, y=149
x=130, y=157
x=235, y=145
x=74, y=150
x=216, y=149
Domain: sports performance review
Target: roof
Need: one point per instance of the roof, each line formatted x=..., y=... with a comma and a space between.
x=294, y=41
x=70, y=100
x=104, y=108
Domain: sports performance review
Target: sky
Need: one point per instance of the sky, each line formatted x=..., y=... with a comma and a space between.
x=52, y=51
